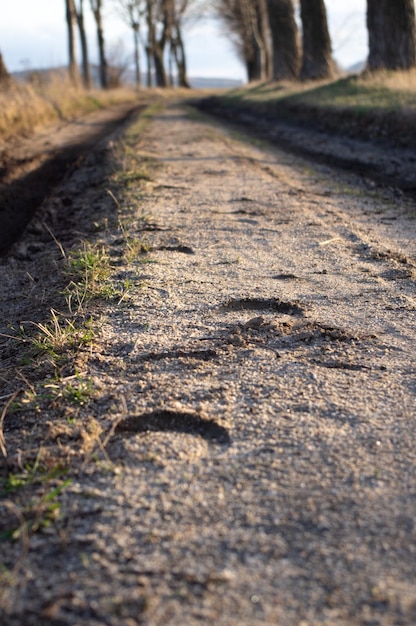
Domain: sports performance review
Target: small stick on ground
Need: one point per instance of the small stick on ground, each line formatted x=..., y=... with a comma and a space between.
x=2, y=418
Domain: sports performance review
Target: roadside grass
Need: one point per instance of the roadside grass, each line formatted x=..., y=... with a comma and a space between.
x=25, y=106
x=43, y=100
x=41, y=508
x=381, y=91
x=52, y=396
x=89, y=270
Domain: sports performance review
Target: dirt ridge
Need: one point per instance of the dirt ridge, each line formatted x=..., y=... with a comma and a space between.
x=375, y=146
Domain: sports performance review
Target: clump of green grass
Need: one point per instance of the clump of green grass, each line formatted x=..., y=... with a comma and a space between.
x=72, y=390
x=92, y=275
x=130, y=178
x=384, y=91
x=90, y=272
x=135, y=247
x=91, y=264
x=75, y=389
x=40, y=511
x=59, y=337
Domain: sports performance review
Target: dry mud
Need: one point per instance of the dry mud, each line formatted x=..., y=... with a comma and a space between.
x=255, y=391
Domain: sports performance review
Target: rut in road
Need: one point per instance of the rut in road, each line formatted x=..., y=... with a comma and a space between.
x=32, y=167
x=262, y=386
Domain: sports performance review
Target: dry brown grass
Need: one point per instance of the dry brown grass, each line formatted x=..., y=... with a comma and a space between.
x=26, y=106
x=403, y=81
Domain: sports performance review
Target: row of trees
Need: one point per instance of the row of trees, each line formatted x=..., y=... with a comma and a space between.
x=265, y=33
x=157, y=27
x=268, y=40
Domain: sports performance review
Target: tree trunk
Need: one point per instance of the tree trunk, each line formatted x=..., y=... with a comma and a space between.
x=149, y=66
x=248, y=21
x=180, y=58
x=157, y=46
x=255, y=35
x=265, y=34
x=167, y=12
x=96, y=7
x=391, y=34
x=160, y=70
x=252, y=69
x=137, y=54
x=5, y=78
x=285, y=39
x=86, y=76
x=317, y=53
x=70, y=20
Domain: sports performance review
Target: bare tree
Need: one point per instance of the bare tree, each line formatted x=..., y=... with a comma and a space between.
x=285, y=38
x=163, y=22
x=257, y=16
x=160, y=24
x=248, y=24
x=316, y=43
x=96, y=8
x=178, y=51
x=391, y=34
x=172, y=16
x=133, y=12
x=185, y=11
x=118, y=63
x=70, y=21
x=79, y=13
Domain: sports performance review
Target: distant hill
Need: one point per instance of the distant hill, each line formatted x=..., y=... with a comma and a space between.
x=357, y=67
x=197, y=82
x=214, y=83
x=44, y=73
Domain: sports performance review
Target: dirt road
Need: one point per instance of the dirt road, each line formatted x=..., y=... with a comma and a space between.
x=254, y=392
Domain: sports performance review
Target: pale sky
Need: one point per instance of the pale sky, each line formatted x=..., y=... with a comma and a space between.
x=33, y=35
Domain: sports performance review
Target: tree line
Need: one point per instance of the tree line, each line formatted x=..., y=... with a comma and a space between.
x=272, y=47
x=265, y=34
x=157, y=28
x=270, y=41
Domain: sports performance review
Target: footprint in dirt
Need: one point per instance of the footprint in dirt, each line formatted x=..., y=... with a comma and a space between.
x=264, y=304
x=157, y=437
x=165, y=420
x=285, y=276
x=176, y=248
